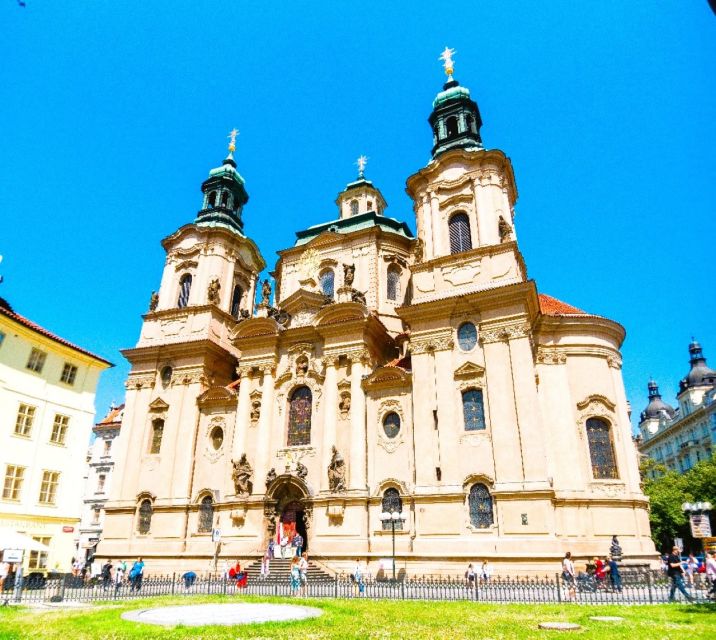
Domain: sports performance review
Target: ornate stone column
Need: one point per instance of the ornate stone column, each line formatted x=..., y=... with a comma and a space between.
x=357, y=471
x=330, y=410
x=243, y=413
x=261, y=466
x=429, y=249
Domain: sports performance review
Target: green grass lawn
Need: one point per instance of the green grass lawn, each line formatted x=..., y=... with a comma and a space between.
x=373, y=619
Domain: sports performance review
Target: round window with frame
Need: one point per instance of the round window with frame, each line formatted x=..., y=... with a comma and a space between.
x=391, y=425
x=467, y=336
x=217, y=437
x=166, y=376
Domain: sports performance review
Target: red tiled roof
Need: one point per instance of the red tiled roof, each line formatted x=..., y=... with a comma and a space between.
x=404, y=363
x=113, y=416
x=6, y=310
x=550, y=306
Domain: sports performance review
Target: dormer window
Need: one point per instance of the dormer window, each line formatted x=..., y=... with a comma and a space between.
x=354, y=207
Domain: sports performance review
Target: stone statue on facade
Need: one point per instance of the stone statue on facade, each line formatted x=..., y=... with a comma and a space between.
x=301, y=470
x=265, y=293
x=255, y=410
x=615, y=550
x=357, y=296
x=504, y=229
x=212, y=293
x=302, y=367
x=337, y=472
x=270, y=477
x=153, y=301
x=241, y=475
x=344, y=406
x=349, y=273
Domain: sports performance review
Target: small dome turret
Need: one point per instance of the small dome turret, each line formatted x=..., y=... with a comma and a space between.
x=699, y=375
x=656, y=408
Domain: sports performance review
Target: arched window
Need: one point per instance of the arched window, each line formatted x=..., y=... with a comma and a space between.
x=436, y=132
x=326, y=280
x=392, y=502
x=473, y=410
x=460, y=233
x=166, y=376
x=601, y=449
x=354, y=207
x=184, y=289
x=451, y=125
x=212, y=199
x=157, y=433
x=236, y=301
x=391, y=424
x=206, y=515
x=393, y=282
x=144, y=523
x=225, y=198
x=480, y=503
x=299, y=417
x=470, y=123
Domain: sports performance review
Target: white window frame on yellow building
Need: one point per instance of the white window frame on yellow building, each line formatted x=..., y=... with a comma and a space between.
x=25, y=419
x=48, y=487
x=12, y=484
x=60, y=426
x=36, y=361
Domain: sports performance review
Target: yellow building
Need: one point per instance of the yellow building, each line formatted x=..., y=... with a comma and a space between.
x=47, y=389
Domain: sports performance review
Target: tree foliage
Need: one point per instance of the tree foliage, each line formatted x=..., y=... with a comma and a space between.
x=668, y=491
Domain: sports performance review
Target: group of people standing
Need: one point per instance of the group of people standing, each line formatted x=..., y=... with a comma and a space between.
x=483, y=573
x=117, y=574
x=601, y=568
x=287, y=547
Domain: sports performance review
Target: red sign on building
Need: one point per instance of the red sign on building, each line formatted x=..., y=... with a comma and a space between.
x=67, y=529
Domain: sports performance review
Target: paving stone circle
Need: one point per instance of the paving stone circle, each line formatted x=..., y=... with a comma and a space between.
x=198, y=615
x=559, y=626
x=606, y=618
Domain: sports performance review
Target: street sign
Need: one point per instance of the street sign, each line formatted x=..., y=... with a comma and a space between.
x=12, y=555
x=216, y=535
x=93, y=540
x=67, y=529
x=700, y=525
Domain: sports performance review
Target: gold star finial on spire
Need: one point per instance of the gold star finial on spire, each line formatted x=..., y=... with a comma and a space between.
x=232, y=139
x=361, y=162
x=446, y=57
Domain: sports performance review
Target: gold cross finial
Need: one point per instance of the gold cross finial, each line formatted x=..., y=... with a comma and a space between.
x=361, y=162
x=232, y=139
x=446, y=57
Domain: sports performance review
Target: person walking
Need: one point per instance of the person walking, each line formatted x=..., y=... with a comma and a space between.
x=284, y=544
x=136, y=574
x=692, y=567
x=711, y=573
x=295, y=577
x=676, y=574
x=271, y=548
x=119, y=572
x=106, y=574
x=297, y=544
x=568, y=576
x=470, y=576
x=358, y=578
x=485, y=571
x=303, y=569
x=615, y=577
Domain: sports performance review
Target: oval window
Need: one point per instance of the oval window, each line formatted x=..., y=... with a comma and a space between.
x=166, y=376
x=217, y=437
x=467, y=336
x=391, y=424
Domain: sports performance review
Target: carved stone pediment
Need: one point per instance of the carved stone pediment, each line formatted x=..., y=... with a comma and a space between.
x=254, y=328
x=387, y=378
x=217, y=396
x=158, y=405
x=303, y=301
x=596, y=399
x=341, y=312
x=469, y=370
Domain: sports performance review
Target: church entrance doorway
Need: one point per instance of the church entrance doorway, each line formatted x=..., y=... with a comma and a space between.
x=293, y=522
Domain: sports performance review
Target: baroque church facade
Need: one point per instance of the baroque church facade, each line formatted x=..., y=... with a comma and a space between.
x=384, y=373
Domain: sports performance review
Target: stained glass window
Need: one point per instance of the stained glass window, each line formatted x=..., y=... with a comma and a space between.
x=601, y=450
x=393, y=283
x=206, y=515
x=480, y=504
x=326, y=280
x=473, y=409
x=460, y=233
x=184, y=289
x=145, y=516
x=467, y=336
x=392, y=502
x=391, y=424
x=299, y=417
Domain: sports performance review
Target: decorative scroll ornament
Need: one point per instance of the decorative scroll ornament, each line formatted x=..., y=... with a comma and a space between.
x=241, y=475
x=140, y=381
x=337, y=473
x=349, y=272
x=301, y=470
x=434, y=342
x=504, y=229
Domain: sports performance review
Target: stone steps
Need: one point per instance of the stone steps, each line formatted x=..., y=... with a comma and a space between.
x=280, y=570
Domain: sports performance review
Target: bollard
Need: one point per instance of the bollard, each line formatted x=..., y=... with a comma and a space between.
x=559, y=589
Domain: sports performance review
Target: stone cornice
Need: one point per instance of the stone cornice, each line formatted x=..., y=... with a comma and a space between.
x=465, y=256
x=439, y=340
x=570, y=325
x=151, y=352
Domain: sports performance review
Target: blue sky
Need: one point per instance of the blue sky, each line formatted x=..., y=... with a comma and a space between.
x=113, y=113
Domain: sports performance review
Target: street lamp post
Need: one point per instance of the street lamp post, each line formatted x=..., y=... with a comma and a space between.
x=393, y=518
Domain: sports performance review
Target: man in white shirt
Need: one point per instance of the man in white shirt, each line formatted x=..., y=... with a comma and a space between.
x=711, y=572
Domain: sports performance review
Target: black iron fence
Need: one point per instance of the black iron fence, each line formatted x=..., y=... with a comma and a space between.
x=646, y=588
